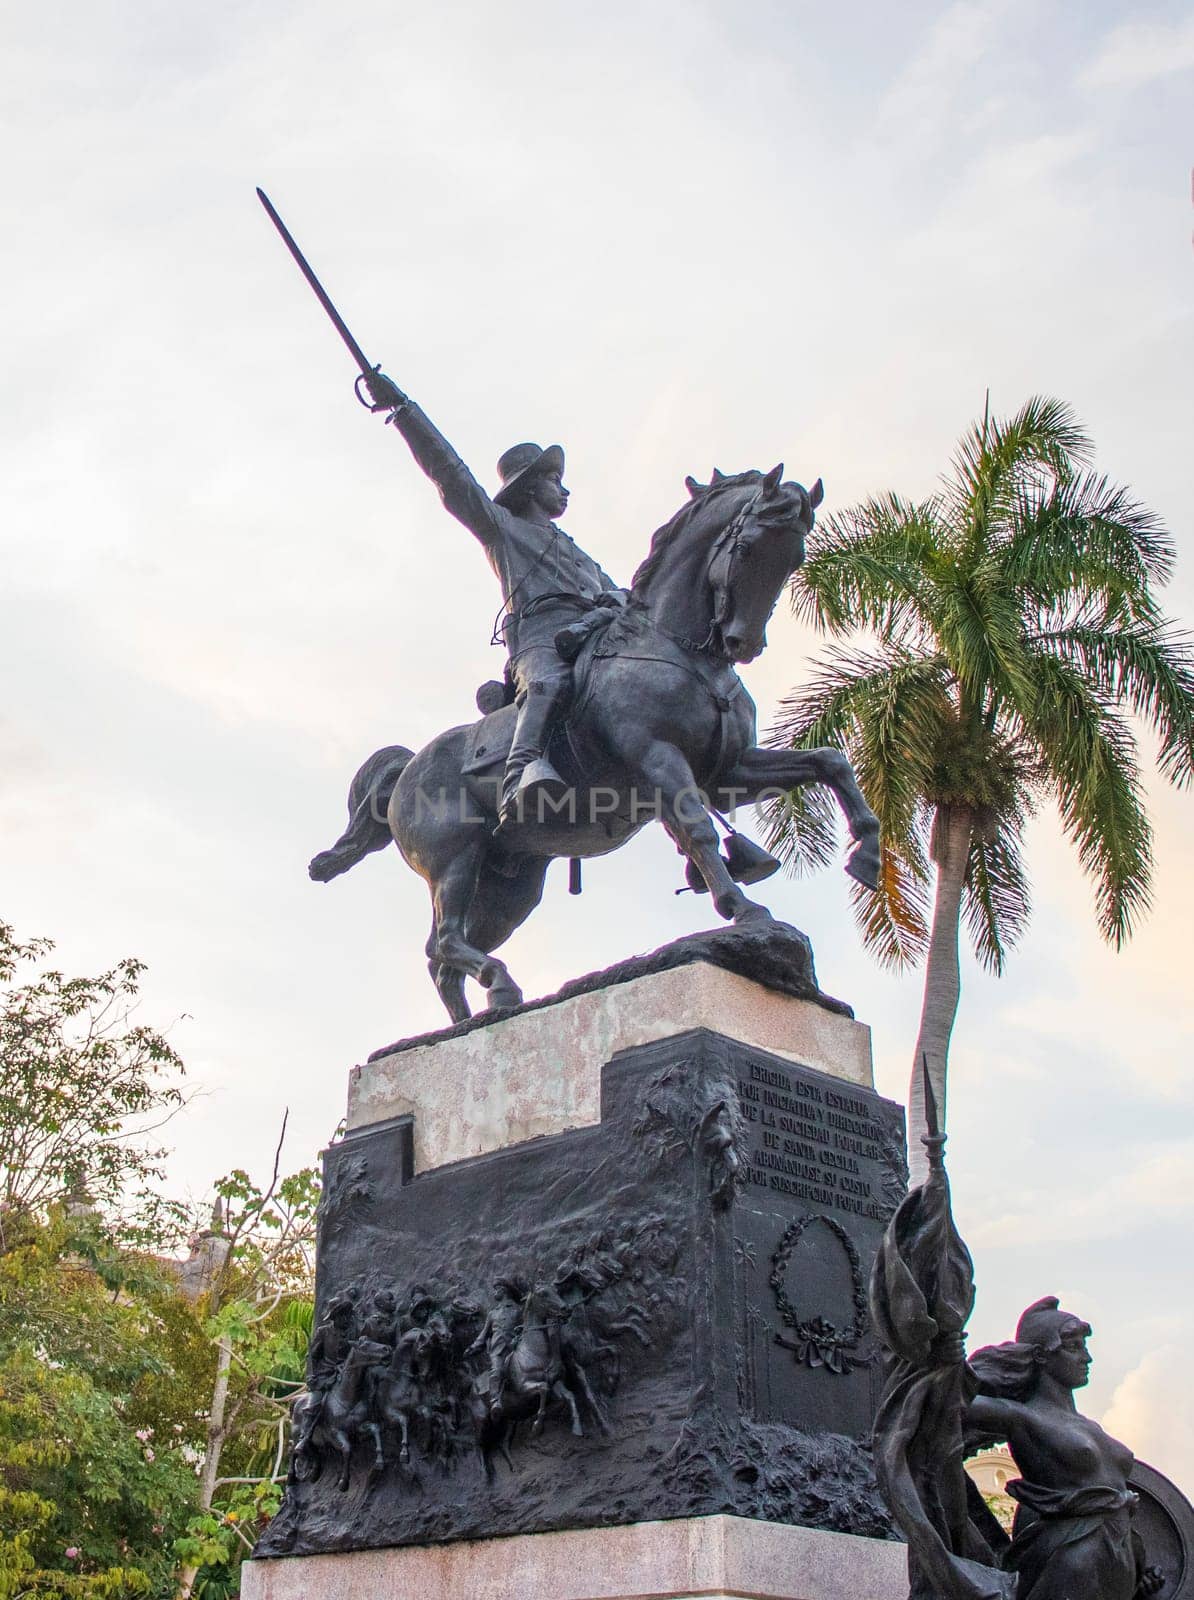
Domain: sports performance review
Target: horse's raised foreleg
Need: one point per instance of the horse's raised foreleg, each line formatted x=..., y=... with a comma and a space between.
x=586, y=1388
x=379, y=1460
x=453, y=894
x=341, y=1443
x=562, y=1392
x=683, y=814
x=766, y=774
x=543, y=1390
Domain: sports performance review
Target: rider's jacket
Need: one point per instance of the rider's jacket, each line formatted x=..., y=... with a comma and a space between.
x=535, y=566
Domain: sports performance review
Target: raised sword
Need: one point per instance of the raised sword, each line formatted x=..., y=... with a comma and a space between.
x=369, y=374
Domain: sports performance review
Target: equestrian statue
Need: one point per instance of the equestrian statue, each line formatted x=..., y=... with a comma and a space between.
x=619, y=706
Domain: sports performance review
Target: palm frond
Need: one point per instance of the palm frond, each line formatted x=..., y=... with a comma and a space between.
x=997, y=898
x=1089, y=757
x=867, y=567
x=1151, y=667
x=1085, y=544
x=981, y=632
x=895, y=920
x=801, y=828
x=885, y=710
x=995, y=458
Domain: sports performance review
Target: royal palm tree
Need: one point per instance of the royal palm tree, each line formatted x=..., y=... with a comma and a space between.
x=1008, y=630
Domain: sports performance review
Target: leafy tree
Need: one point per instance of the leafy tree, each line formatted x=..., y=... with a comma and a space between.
x=142, y=1417
x=1016, y=631
x=258, y=1315
x=91, y=1496
x=82, y=1085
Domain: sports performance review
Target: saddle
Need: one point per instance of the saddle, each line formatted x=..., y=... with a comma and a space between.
x=600, y=635
x=491, y=745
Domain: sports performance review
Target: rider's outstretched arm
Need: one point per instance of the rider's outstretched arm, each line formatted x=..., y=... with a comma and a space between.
x=460, y=492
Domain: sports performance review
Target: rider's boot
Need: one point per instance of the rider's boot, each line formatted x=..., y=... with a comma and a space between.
x=497, y=1382
x=530, y=781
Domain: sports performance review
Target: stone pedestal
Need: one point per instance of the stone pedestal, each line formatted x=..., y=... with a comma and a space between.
x=717, y=1558
x=493, y=1084
x=641, y=1215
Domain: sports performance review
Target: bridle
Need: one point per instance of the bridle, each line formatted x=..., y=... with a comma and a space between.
x=727, y=546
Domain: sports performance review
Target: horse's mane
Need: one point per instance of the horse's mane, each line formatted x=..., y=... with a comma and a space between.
x=663, y=538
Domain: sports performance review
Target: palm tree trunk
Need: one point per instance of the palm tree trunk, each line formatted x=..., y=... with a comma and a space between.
x=215, y=1444
x=952, y=829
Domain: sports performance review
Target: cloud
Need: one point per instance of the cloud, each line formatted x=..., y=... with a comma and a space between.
x=916, y=104
x=670, y=241
x=1152, y=1411
x=1154, y=1182
x=1136, y=53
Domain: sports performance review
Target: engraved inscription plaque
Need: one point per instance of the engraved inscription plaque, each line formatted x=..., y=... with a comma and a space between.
x=824, y=1170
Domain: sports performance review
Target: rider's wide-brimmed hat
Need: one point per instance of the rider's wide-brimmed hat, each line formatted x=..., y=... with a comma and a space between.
x=522, y=462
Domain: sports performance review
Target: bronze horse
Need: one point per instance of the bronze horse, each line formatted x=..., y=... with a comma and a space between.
x=334, y=1419
x=660, y=728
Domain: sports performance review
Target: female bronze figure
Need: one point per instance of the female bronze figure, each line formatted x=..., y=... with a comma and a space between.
x=1073, y=1532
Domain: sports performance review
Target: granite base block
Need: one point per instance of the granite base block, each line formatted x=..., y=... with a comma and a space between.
x=537, y=1072
x=715, y=1558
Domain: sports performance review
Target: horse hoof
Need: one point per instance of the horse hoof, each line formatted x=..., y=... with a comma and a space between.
x=863, y=865
x=751, y=913
x=504, y=997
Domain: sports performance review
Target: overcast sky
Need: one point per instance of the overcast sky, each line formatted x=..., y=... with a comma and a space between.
x=670, y=236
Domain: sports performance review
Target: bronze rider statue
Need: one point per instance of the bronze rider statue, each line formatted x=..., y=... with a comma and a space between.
x=548, y=583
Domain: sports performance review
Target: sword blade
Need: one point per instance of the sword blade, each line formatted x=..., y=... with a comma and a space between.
x=321, y=295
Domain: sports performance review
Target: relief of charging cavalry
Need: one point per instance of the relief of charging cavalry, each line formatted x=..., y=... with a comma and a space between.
x=402, y=1377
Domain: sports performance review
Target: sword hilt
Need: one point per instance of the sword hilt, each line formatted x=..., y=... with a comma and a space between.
x=369, y=384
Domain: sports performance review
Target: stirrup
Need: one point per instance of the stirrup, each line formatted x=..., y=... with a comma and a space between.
x=538, y=781
x=746, y=862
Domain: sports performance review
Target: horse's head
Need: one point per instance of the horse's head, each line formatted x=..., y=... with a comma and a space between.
x=367, y=1353
x=753, y=557
x=723, y=559
x=544, y=1304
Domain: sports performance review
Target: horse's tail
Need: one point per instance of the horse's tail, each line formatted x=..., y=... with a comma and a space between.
x=367, y=830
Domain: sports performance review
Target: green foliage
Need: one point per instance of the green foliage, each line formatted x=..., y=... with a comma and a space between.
x=217, y=1541
x=106, y=1380
x=82, y=1087
x=1016, y=631
x=141, y=1432
x=93, y=1495
x=257, y=1314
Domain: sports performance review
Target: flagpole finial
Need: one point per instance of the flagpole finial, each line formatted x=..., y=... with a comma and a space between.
x=933, y=1140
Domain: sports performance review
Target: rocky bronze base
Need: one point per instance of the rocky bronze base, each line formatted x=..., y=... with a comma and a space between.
x=773, y=954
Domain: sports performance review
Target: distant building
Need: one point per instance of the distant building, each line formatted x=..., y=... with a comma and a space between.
x=209, y=1251
x=991, y=1471
x=195, y=1274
